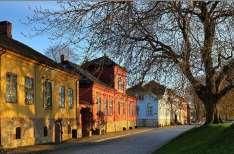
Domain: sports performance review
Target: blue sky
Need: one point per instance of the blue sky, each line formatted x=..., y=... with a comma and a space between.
x=16, y=12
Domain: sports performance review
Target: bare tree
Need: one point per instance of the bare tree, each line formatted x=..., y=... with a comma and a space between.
x=154, y=39
x=55, y=51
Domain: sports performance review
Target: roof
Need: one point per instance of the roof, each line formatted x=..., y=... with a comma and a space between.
x=155, y=88
x=102, y=61
x=85, y=76
x=135, y=89
x=152, y=86
x=26, y=51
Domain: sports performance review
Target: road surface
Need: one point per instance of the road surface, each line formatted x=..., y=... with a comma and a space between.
x=142, y=143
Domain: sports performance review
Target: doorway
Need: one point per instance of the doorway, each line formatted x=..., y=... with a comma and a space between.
x=58, y=131
x=86, y=120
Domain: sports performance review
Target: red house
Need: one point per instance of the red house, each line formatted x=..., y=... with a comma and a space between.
x=104, y=104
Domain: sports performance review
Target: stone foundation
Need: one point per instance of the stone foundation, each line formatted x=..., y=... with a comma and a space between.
x=147, y=123
x=164, y=122
x=8, y=132
x=32, y=131
x=120, y=125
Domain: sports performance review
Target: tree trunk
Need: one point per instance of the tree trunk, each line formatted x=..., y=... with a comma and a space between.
x=216, y=115
x=209, y=112
x=212, y=113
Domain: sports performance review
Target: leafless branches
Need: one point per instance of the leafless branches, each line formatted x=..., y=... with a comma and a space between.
x=153, y=39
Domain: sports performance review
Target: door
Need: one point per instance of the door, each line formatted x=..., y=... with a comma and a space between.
x=86, y=120
x=58, y=132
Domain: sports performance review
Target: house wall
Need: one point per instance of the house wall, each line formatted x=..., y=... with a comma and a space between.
x=183, y=113
x=105, y=93
x=178, y=107
x=132, y=113
x=115, y=121
x=49, y=116
x=33, y=118
x=16, y=114
x=144, y=118
x=164, y=113
x=123, y=114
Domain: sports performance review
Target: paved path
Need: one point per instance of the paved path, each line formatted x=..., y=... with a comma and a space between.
x=141, y=143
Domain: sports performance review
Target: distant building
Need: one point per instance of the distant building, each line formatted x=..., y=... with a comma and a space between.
x=226, y=108
x=226, y=104
x=179, y=108
x=152, y=108
x=158, y=106
x=103, y=93
x=147, y=107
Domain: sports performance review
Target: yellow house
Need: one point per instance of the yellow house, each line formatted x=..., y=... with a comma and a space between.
x=39, y=98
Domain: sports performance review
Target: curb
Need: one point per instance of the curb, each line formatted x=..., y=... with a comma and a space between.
x=62, y=146
x=120, y=136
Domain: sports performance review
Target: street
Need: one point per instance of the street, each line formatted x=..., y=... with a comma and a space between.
x=142, y=143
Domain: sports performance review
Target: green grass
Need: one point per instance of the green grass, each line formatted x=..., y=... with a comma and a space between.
x=210, y=139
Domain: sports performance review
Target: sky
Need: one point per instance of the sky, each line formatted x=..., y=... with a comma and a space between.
x=16, y=13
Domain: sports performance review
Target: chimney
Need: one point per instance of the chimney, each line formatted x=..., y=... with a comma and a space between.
x=63, y=58
x=5, y=29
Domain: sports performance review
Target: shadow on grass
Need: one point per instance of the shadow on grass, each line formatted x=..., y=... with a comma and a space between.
x=209, y=139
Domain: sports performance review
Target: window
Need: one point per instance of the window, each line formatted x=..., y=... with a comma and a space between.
x=119, y=108
x=120, y=84
x=149, y=109
x=98, y=101
x=70, y=97
x=105, y=107
x=29, y=90
x=11, y=87
x=111, y=107
x=129, y=109
x=48, y=94
x=140, y=97
x=45, y=131
x=123, y=105
x=18, y=133
x=62, y=96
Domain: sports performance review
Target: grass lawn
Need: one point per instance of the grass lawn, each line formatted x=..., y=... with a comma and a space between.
x=211, y=139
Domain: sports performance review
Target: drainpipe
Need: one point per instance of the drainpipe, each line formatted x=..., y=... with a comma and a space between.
x=114, y=101
x=127, y=112
x=77, y=107
x=2, y=51
x=35, y=99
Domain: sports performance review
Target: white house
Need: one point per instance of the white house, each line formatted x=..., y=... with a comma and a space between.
x=152, y=108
